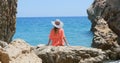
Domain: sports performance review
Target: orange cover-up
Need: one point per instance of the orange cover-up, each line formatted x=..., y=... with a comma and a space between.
x=57, y=38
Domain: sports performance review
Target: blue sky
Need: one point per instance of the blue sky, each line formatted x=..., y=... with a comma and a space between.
x=52, y=8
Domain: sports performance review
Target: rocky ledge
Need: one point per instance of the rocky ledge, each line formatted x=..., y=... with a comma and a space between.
x=18, y=51
x=70, y=54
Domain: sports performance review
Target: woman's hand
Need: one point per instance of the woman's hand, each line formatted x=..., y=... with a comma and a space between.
x=67, y=44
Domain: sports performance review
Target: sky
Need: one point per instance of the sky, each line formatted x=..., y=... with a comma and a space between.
x=52, y=8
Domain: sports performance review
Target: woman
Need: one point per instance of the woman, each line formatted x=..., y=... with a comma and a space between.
x=57, y=37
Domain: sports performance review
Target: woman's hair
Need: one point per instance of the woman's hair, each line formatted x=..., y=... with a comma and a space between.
x=55, y=29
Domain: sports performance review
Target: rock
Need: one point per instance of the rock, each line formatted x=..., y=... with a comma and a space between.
x=104, y=16
x=18, y=51
x=114, y=54
x=104, y=37
x=7, y=19
x=3, y=44
x=115, y=61
x=70, y=54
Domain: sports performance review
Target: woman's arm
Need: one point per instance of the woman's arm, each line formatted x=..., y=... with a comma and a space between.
x=49, y=41
x=66, y=41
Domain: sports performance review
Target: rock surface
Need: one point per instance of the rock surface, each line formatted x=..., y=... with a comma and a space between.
x=104, y=37
x=7, y=19
x=104, y=15
x=115, y=54
x=70, y=54
x=3, y=44
x=18, y=51
x=118, y=61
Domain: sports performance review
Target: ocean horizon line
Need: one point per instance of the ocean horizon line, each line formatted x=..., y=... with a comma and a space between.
x=48, y=16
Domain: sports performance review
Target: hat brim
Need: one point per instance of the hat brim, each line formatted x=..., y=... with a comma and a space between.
x=57, y=26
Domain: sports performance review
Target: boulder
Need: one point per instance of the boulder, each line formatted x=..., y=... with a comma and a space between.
x=104, y=16
x=70, y=54
x=18, y=51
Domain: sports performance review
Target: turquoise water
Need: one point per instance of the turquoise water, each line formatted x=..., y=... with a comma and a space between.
x=35, y=30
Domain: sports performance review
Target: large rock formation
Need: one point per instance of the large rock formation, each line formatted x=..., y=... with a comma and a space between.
x=7, y=19
x=18, y=51
x=71, y=54
x=104, y=37
x=104, y=15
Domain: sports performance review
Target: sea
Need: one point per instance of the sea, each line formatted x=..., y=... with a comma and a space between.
x=36, y=30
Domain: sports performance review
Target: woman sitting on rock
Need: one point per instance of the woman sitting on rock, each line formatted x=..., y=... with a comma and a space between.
x=57, y=37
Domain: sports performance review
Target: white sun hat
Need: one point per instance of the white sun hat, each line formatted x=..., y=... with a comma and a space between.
x=57, y=23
